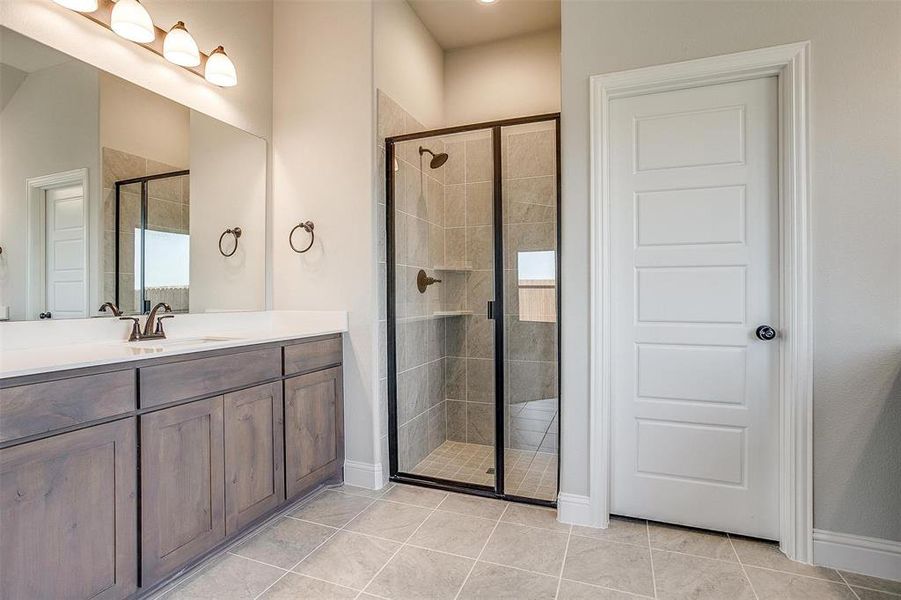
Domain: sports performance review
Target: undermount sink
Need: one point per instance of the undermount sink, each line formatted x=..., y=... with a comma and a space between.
x=161, y=345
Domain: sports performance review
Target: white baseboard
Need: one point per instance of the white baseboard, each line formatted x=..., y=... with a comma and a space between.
x=574, y=509
x=866, y=555
x=365, y=475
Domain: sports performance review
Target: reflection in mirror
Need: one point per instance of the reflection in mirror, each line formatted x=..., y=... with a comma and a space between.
x=113, y=193
x=536, y=282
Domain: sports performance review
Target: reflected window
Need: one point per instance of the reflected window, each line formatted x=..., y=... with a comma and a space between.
x=166, y=270
x=537, y=282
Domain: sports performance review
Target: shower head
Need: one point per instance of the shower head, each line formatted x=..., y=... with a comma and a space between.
x=437, y=159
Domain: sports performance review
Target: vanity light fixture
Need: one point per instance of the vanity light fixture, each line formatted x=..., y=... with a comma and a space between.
x=220, y=70
x=180, y=48
x=78, y=5
x=131, y=20
x=487, y=1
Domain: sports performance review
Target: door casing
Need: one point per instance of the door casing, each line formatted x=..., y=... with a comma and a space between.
x=790, y=64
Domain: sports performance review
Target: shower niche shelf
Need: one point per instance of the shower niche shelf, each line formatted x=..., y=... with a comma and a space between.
x=467, y=267
x=451, y=313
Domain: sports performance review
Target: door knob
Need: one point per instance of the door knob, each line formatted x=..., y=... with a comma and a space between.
x=765, y=333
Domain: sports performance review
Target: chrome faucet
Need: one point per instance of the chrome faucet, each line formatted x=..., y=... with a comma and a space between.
x=153, y=326
x=112, y=307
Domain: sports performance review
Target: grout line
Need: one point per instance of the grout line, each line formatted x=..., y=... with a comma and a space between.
x=601, y=587
x=647, y=528
x=569, y=538
x=481, y=552
x=853, y=592
x=742, y=565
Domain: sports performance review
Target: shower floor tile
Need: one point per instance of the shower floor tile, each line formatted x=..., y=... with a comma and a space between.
x=527, y=472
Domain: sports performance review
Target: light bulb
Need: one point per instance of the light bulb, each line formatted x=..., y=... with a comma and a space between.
x=180, y=48
x=79, y=5
x=132, y=21
x=220, y=70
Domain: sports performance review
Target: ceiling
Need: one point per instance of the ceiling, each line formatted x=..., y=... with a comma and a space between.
x=461, y=23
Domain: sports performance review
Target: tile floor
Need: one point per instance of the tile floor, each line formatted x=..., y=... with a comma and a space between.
x=527, y=473
x=414, y=543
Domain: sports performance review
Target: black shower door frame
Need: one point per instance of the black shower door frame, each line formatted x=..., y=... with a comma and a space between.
x=496, y=313
x=144, y=181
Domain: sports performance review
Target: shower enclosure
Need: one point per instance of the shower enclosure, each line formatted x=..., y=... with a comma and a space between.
x=472, y=307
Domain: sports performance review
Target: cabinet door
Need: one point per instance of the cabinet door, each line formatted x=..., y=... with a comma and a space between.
x=182, y=487
x=68, y=515
x=254, y=454
x=314, y=423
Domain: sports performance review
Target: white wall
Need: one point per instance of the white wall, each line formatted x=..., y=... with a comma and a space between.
x=856, y=212
x=409, y=64
x=228, y=189
x=49, y=126
x=510, y=78
x=323, y=153
x=140, y=122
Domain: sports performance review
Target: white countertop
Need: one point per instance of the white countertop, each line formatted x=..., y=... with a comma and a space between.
x=30, y=347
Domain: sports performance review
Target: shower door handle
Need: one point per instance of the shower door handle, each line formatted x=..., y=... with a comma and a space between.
x=491, y=309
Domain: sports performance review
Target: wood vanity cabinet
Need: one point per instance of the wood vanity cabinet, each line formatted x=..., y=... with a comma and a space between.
x=218, y=441
x=68, y=509
x=314, y=423
x=182, y=490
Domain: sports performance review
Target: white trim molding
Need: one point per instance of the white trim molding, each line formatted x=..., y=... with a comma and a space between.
x=857, y=553
x=365, y=475
x=790, y=63
x=574, y=509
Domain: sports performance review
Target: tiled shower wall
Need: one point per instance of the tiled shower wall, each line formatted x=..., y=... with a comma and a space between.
x=168, y=210
x=530, y=224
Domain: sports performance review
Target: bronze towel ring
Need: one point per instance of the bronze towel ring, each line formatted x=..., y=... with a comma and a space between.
x=306, y=226
x=235, y=232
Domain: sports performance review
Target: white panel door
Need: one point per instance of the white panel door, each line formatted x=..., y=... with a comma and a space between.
x=65, y=254
x=694, y=230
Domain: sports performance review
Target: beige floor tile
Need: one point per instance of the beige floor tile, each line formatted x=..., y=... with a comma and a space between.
x=457, y=534
x=348, y=559
x=332, y=508
x=873, y=583
x=573, y=590
x=868, y=594
x=620, y=529
x=490, y=582
x=420, y=496
x=228, y=578
x=622, y=567
x=758, y=553
x=776, y=585
x=358, y=491
x=473, y=506
x=415, y=574
x=683, y=576
x=691, y=541
x=526, y=548
x=299, y=587
x=389, y=520
x=534, y=516
x=285, y=542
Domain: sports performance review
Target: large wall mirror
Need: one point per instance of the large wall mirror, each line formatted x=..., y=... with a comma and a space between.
x=111, y=192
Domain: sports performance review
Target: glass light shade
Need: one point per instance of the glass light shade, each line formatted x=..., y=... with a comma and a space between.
x=220, y=70
x=180, y=48
x=79, y=5
x=132, y=21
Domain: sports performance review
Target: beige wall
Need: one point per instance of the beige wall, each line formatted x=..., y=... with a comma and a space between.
x=409, y=64
x=510, y=78
x=139, y=122
x=856, y=178
x=323, y=161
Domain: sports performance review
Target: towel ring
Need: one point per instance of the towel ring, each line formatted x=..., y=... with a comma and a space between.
x=306, y=226
x=235, y=232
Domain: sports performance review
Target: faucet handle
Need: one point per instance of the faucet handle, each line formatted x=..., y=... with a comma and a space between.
x=135, y=328
x=159, y=324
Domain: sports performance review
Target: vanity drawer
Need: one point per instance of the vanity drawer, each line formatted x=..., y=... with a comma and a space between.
x=41, y=407
x=311, y=356
x=161, y=384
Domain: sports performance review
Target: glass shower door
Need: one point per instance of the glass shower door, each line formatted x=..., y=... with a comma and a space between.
x=443, y=268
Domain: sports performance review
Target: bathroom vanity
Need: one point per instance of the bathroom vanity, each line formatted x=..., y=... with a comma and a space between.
x=116, y=476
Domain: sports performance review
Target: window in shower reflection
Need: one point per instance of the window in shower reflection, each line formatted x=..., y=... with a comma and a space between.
x=537, y=284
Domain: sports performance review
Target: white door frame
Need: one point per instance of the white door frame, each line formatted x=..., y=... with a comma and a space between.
x=35, y=249
x=790, y=63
